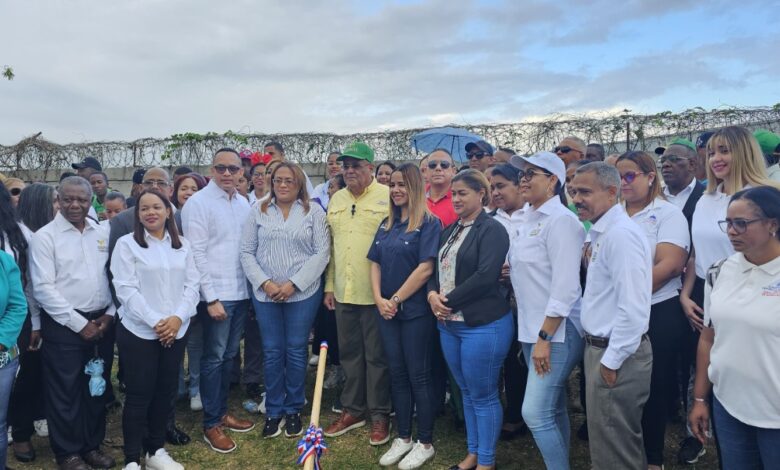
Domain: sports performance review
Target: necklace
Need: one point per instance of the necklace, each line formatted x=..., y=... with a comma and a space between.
x=453, y=238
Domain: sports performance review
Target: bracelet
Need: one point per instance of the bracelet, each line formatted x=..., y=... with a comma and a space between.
x=700, y=400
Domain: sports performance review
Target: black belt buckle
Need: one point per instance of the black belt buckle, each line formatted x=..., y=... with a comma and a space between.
x=597, y=342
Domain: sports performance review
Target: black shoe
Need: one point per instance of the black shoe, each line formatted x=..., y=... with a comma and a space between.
x=293, y=426
x=582, y=432
x=337, y=408
x=690, y=451
x=254, y=392
x=457, y=467
x=273, y=427
x=97, y=459
x=175, y=436
x=23, y=451
x=73, y=462
x=520, y=430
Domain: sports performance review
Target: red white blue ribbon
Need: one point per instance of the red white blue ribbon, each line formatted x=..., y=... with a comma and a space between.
x=312, y=445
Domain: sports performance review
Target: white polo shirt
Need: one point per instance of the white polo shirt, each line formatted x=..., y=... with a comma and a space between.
x=744, y=308
x=710, y=243
x=663, y=222
x=544, y=259
x=616, y=303
x=681, y=198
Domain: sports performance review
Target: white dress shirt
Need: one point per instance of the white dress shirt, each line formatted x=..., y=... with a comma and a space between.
x=69, y=271
x=154, y=283
x=544, y=259
x=35, y=311
x=743, y=307
x=616, y=303
x=663, y=222
x=511, y=222
x=681, y=198
x=296, y=249
x=213, y=222
x=710, y=243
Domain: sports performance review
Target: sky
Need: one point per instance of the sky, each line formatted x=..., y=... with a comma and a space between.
x=124, y=70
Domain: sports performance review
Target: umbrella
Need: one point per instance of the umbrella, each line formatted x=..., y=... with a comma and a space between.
x=454, y=139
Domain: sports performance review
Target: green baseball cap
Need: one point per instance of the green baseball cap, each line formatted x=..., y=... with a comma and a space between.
x=769, y=141
x=358, y=150
x=683, y=142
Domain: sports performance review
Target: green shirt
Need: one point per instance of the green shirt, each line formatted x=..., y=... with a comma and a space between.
x=585, y=223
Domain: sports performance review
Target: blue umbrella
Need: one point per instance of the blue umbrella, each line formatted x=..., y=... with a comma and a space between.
x=454, y=139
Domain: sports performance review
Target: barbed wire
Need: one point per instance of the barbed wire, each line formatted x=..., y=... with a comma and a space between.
x=617, y=132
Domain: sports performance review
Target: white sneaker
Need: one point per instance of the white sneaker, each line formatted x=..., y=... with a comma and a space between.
x=314, y=360
x=132, y=466
x=162, y=461
x=195, y=403
x=417, y=457
x=261, y=407
x=41, y=427
x=334, y=378
x=10, y=438
x=398, y=449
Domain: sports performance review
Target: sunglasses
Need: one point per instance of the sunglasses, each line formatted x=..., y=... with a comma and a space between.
x=444, y=165
x=233, y=169
x=153, y=183
x=630, y=176
x=672, y=159
x=477, y=155
x=739, y=225
x=528, y=175
x=15, y=191
x=563, y=149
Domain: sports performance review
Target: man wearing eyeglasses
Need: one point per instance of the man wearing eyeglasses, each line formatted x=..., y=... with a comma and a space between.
x=570, y=150
x=678, y=168
x=480, y=155
x=213, y=219
x=441, y=170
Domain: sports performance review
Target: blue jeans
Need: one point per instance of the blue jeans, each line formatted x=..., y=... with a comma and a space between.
x=408, y=351
x=194, y=353
x=221, y=340
x=475, y=355
x=7, y=376
x=285, y=338
x=743, y=446
x=544, y=407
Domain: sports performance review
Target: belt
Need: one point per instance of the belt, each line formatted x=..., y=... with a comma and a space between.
x=602, y=343
x=93, y=314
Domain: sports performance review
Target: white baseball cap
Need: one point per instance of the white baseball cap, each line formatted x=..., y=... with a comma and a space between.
x=547, y=160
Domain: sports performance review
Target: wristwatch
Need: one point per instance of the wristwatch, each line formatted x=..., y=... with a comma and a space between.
x=396, y=299
x=543, y=334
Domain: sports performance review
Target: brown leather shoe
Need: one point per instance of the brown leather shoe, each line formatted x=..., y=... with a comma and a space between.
x=218, y=440
x=97, y=459
x=380, y=432
x=344, y=424
x=23, y=451
x=237, y=424
x=73, y=462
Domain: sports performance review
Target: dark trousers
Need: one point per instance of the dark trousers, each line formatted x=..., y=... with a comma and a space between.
x=252, y=372
x=439, y=374
x=367, y=384
x=151, y=389
x=77, y=420
x=667, y=327
x=515, y=379
x=325, y=329
x=408, y=354
x=690, y=344
x=26, y=403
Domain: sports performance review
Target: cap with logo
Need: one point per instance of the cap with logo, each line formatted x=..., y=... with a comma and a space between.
x=546, y=160
x=138, y=175
x=677, y=141
x=481, y=145
x=88, y=162
x=359, y=150
x=701, y=141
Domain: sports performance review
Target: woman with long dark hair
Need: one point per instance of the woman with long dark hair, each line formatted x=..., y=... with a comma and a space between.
x=38, y=204
x=157, y=285
x=402, y=258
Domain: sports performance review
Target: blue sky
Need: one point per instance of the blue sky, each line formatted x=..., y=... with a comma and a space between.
x=91, y=70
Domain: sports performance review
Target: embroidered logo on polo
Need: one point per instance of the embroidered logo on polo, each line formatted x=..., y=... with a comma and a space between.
x=772, y=290
x=536, y=231
x=101, y=245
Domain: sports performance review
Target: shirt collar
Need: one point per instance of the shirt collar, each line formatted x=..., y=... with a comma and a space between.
x=447, y=195
x=149, y=236
x=608, y=219
x=771, y=268
x=687, y=189
x=219, y=192
x=63, y=225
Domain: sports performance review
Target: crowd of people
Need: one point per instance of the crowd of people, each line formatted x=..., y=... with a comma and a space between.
x=658, y=277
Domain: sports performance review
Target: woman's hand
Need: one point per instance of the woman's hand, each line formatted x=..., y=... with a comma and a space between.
x=541, y=357
x=699, y=419
x=167, y=330
x=437, y=301
x=693, y=312
x=284, y=292
x=271, y=289
x=387, y=308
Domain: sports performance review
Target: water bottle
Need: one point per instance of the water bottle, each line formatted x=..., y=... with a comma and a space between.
x=251, y=406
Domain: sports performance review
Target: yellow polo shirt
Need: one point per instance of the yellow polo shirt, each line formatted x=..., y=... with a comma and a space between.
x=353, y=223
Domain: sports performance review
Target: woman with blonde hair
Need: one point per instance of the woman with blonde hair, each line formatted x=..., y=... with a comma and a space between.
x=734, y=162
x=285, y=247
x=402, y=258
x=667, y=234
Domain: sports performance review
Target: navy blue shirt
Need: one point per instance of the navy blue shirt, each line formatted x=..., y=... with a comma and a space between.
x=398, y=254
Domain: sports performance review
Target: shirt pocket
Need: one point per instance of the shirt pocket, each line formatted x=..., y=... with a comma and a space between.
x=529, y=249
x=367, y=220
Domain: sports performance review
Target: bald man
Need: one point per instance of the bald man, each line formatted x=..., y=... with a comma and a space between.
x=570, y=150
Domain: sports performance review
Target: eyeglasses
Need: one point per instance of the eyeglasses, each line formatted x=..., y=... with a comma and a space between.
x=354, y=166
x=671, y=159
x=15, y=191
x=564, y=149
x=477, y=155
x=739, y=225
x=630, y=176
x=153, y=183
x=284, y=181
x=528, y=175
x=444, y=165
x=233, y=169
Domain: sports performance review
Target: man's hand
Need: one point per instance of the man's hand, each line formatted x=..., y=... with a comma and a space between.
x=609, y=375
x=35, y=340
x=90, y=332
x=217, y=311
x=329, y=301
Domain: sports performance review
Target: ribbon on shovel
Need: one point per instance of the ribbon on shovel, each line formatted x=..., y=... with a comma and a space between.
x=312, y=445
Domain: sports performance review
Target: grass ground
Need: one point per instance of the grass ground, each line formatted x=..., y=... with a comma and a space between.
x=350, y=451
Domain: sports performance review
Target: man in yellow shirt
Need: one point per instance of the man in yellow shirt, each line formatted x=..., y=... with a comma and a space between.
x=354, y=215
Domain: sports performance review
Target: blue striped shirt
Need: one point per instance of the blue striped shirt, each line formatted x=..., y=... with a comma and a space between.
x=296, y=249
